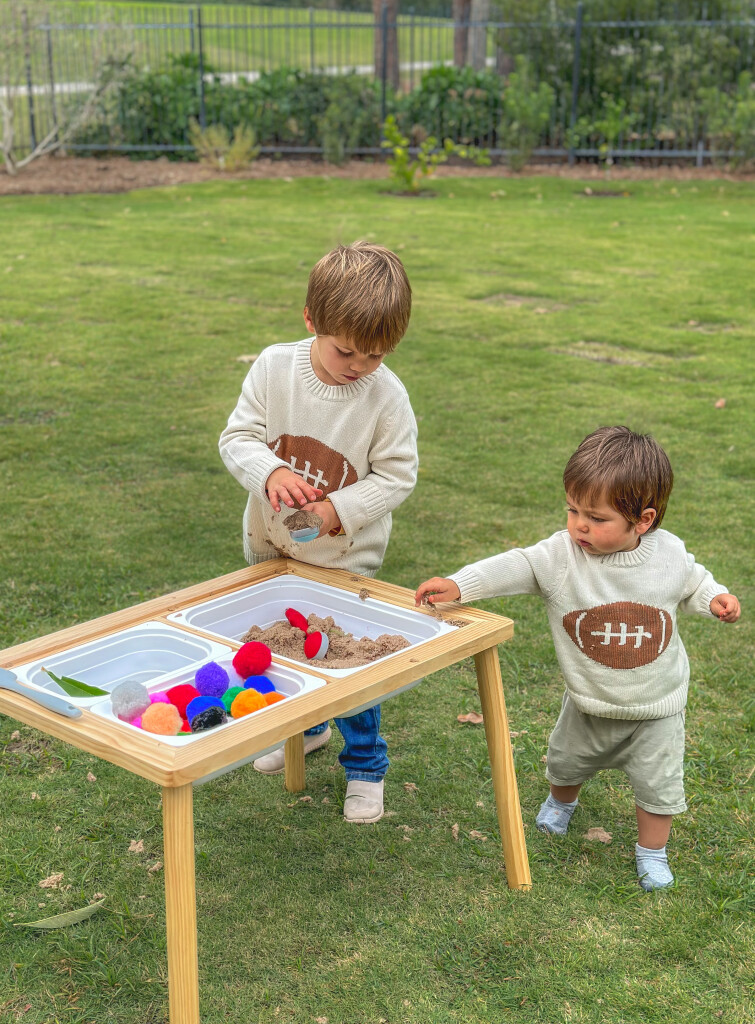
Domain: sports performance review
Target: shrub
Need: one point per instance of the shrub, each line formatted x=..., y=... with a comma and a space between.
x=457, y=103
x=526, y=113
x=214, y=146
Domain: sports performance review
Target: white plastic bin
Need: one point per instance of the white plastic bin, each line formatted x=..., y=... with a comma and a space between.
x=263, y=604
x=143, y=653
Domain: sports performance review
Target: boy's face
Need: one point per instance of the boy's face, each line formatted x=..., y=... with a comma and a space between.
x=336, y=361
x=599, y=529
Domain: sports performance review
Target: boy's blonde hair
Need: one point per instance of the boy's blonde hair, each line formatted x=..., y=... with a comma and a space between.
x=630, y=471
x=360, y=292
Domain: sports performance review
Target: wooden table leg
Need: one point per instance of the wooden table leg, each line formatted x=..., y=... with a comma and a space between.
x=293, y=762
x=181, y=905
x=502, y=766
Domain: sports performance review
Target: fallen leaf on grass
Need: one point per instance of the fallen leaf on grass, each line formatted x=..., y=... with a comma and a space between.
x=513, y=735
x=136, y=846
x=598, y=833
x=246, y=358
x=473, y=717
x=455, y=831
x=15, y=735
x=411, y=787
x=305, y=800
x=155, y=867
x=721, y=403
x=474, y=834
x=91, y=777
x=62, y=920
x=52, y=881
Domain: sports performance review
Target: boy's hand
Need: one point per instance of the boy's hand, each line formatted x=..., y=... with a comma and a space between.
x=327, y=512
x=725, y=607
x=442, y=589
x=285, y=486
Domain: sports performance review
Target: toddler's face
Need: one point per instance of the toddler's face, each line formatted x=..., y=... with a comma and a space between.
x=599, y=529
x=337, y=362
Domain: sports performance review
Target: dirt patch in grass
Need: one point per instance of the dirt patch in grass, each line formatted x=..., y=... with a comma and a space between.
x=64, y=175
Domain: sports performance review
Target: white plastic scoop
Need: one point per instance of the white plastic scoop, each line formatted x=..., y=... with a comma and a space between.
x=47, y=700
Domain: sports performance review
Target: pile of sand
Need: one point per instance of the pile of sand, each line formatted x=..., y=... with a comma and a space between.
x=345, y=651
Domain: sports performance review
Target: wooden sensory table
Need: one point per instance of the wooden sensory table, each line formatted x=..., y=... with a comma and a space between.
x=177, y=768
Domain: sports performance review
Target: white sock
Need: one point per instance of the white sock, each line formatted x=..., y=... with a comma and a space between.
x=554, y=815
x=652, y=867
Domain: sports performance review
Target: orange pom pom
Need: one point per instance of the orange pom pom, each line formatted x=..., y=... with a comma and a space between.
x=273, y=697
x=163, y=719
x=246, y=702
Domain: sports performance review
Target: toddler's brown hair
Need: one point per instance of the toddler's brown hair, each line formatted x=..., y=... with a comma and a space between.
x=360, y=292
x=630, y=471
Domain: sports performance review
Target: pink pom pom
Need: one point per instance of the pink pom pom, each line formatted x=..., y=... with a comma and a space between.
x=252, y=659
x=137, y=722
x=159, y=698
x=316, y=646
x=296, y=619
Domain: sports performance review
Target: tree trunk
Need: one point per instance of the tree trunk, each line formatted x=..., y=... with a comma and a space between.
x=478, y=34
x=461, y=11
x=386, y=49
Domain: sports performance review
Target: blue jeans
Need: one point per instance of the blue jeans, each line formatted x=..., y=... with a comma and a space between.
x=364, y=755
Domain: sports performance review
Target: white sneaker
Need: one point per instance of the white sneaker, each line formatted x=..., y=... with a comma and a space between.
x=364, y=802
x=273, y=763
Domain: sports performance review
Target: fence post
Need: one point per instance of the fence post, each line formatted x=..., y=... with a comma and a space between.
x=384, y=62
x=202, y=114
x=312, y=39
x=29, y=85
x=50, y=68
x=575, y=80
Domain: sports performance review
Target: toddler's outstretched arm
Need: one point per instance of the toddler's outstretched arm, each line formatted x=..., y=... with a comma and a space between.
x=725, y=607
x=440, y=589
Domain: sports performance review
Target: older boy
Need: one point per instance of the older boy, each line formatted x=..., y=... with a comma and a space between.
x=612, y=583
x=323, y=425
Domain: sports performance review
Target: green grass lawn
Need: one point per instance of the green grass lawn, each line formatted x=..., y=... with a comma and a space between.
x=540, y=313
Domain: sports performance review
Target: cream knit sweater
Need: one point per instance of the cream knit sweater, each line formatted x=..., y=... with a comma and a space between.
x=358, y=442
x=613, y=617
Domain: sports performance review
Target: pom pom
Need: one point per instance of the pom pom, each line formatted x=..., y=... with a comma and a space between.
x=137, y=722
x=252, y=659
x=316, y=645
x=162, y=719
x=185, y=727
x=129, y=699
x=211, y=680
x=208, y=719
x=296, y=619
x=159, y=698
x=180, y=696
x=230, y=695
x=273, y=697
x=247, y=702
x=259, y=683
x=199, y=704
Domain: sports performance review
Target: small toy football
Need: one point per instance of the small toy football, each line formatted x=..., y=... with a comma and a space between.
x=316, y=646
x=296, y=619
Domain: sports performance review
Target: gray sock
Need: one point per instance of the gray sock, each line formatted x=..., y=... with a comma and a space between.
x=652, y=867
x=554, y=816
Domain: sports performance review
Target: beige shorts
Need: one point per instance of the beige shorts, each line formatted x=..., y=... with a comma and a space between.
x=651, y=753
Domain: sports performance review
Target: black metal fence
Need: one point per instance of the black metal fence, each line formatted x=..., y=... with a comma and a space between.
x=644, y=88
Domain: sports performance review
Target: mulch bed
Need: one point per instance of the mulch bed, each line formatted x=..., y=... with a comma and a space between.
x=64, y=175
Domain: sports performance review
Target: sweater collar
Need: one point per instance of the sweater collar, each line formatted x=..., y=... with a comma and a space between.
x=329, y=392
x=628, y=559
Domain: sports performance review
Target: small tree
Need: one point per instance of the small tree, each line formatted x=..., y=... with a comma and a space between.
x=19, y=21
x=409, y=172
x=526, y=113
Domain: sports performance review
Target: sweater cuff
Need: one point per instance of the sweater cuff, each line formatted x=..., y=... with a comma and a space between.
x=357, y=505
x=469, y=584
x=713, y=591
x=257, y=474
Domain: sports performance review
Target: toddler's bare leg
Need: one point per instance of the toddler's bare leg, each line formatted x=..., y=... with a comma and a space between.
x=566, y=794
x=653, y=831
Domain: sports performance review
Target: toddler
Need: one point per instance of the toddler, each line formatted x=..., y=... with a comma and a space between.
x=612, y=582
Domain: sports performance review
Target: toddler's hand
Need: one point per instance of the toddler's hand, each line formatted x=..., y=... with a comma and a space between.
x=725, y=607
x=283, y=485
x=327, y=512
x=442, y=589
